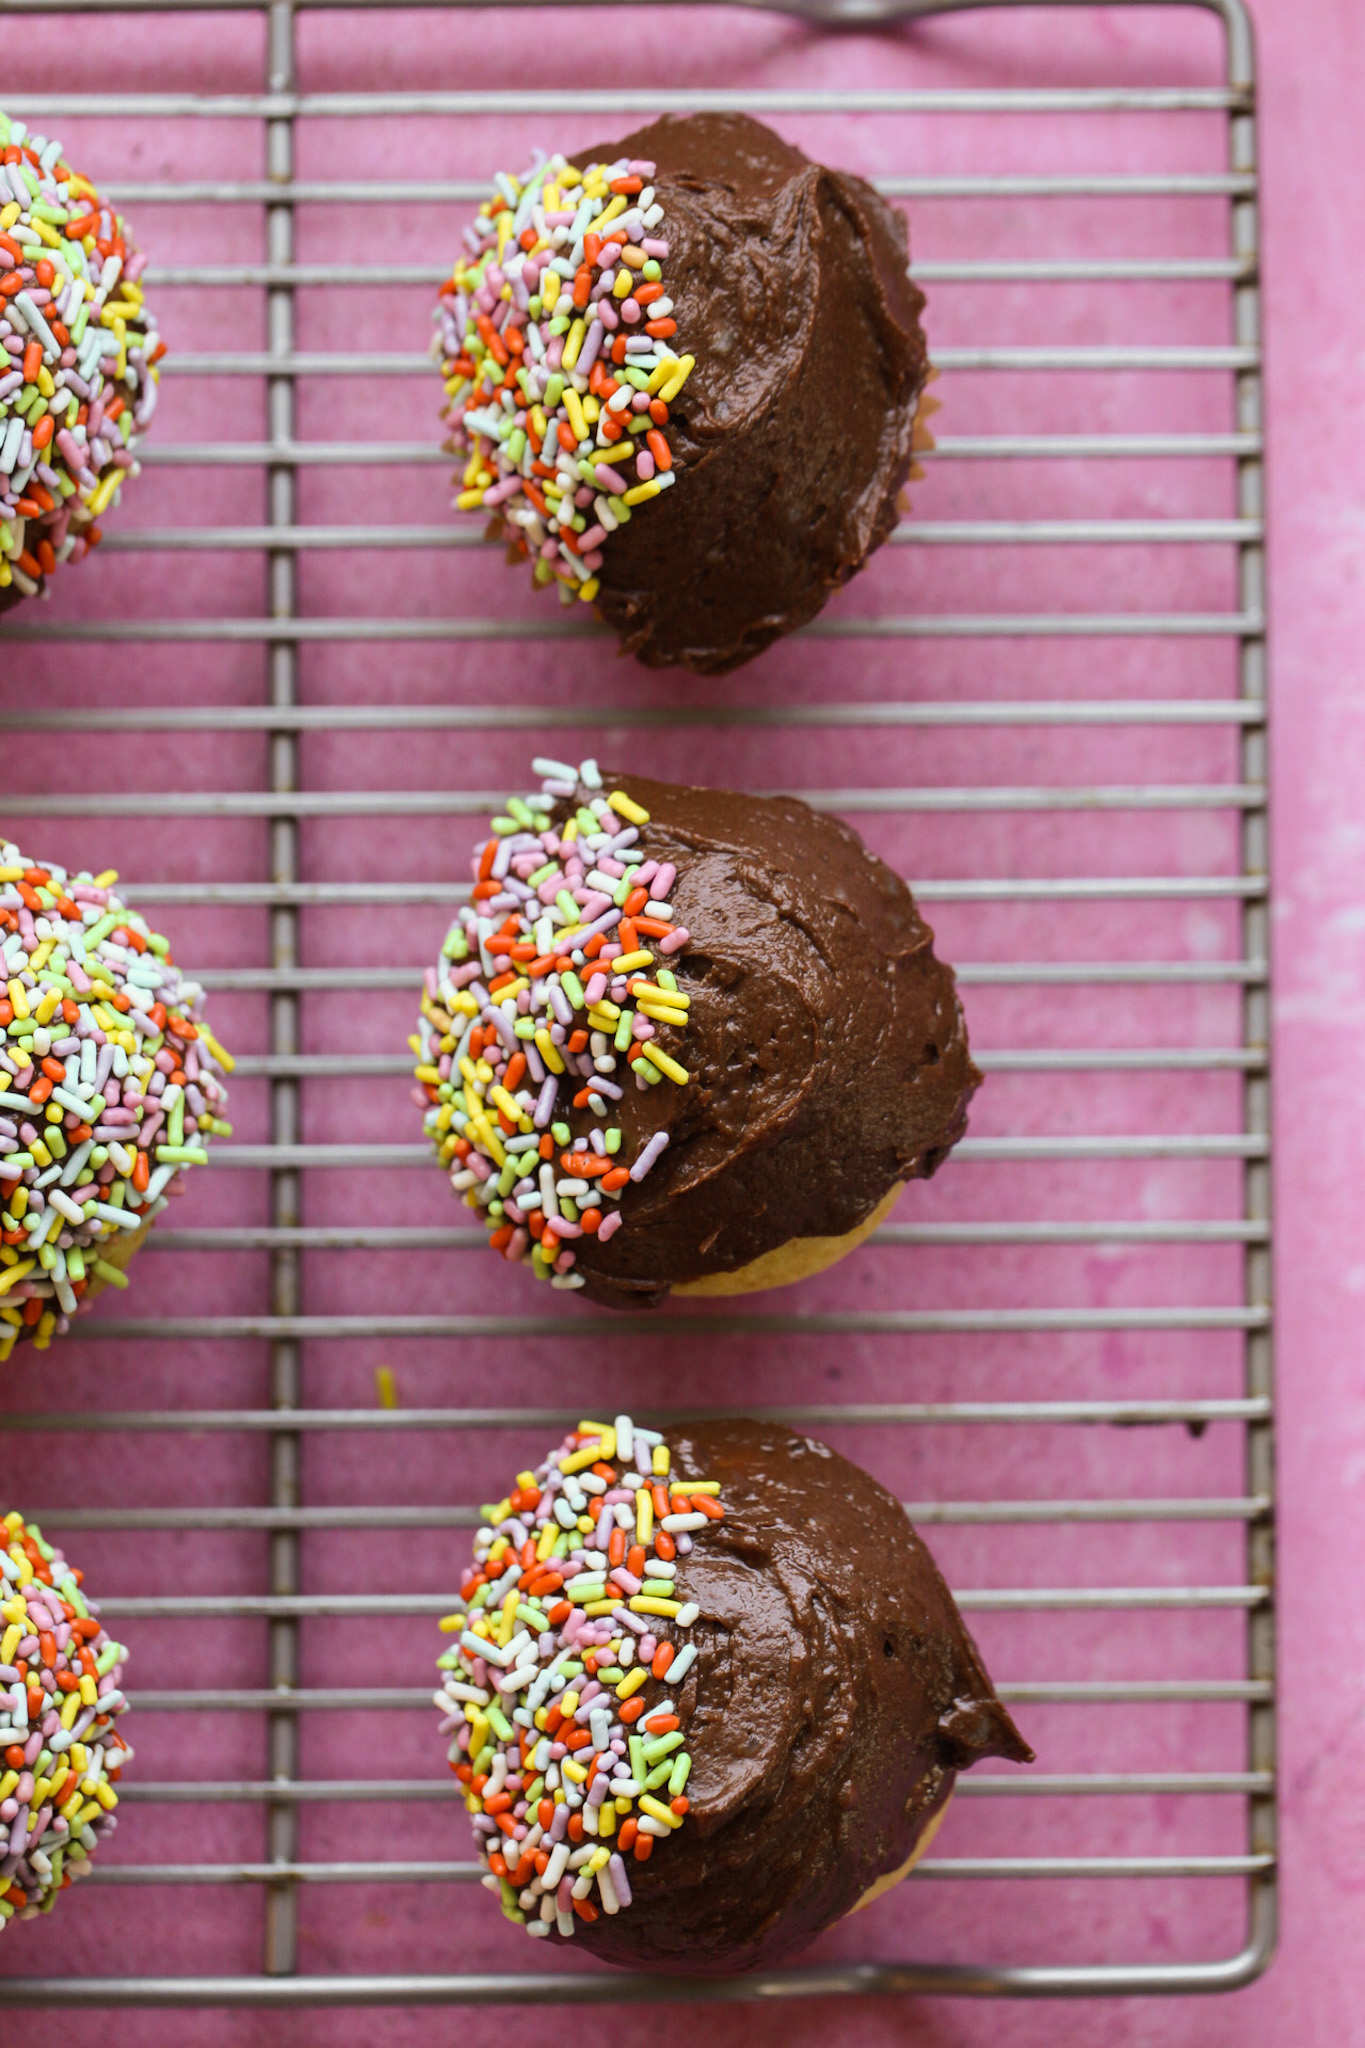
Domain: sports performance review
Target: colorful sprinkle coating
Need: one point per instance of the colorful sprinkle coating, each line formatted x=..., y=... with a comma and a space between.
x=109, y=1085
x=60, y=1754
x=553, y=337
x=544, y=984
x=80, y=383
x=561, y=1695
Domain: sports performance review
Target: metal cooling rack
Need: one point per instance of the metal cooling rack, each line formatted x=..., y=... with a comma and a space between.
x=300, y=1335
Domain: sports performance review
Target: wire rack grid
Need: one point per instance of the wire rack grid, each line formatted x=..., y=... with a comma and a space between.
x=1045, y=702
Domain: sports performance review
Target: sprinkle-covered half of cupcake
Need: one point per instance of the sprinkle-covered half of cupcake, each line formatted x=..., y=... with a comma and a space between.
x=79, y=351
x=111, y=1085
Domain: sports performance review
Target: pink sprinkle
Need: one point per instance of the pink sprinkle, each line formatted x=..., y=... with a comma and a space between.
x=607, y=477
x=609, y=1226
x=675, y=940
x=644, y=466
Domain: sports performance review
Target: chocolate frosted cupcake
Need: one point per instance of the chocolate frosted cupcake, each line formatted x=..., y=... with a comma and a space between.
x=684, y=372
x=709, y=1694
x=78, y=355
x=685, y=1039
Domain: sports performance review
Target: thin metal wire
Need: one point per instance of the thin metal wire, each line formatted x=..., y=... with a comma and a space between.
x=423, y=1791
x=1191, y=1413
x=284, y=807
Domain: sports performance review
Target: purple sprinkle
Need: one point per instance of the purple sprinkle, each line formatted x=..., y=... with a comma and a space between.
x=648, y=1156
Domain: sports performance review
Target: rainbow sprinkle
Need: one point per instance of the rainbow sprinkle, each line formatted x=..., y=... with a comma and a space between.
x=573, y=1606
x=553, y=338
x=109, y=1085
x=60, y=1755
x=80, y=385
x=544, y=983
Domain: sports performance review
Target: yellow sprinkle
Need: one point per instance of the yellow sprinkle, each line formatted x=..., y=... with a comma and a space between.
x=18, y=995
x=616, y=204
x=550, y=1053
x=626, y=808
x=588, y=590
x=638, y=493
x=579, y=1461
x=595, y=1608
x=644, y=1516
x=656, y=1810
x=694, y=1486
x=666, y=1065
x=509, y=1616
x=573, y=1770
x=661, y=1460
x=100, y=500
x=646, y=1603
x=578, y=426
x=648, y=991
x=573, y=342
x=224, y=1059
x=629, y=961
x=451, y=1624
x=622, y=452
x=662, y=1013
x=632, y=1683
x=469, y=501
x=669, y=391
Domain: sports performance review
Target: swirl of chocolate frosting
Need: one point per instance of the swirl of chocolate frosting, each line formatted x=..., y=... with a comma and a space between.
x=826, y=1044
x=835, y=1695
x=792, y=439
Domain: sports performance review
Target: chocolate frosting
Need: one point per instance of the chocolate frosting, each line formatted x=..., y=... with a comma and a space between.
x=792, y=437
x=835, y=1695
x=826, y=1043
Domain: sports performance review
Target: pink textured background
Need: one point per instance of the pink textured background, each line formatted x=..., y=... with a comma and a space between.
x=1312, y=63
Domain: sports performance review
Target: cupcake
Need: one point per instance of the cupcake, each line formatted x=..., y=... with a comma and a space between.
x=684, y=372
x=685, y=1039
x=79, y=383
x=60, y=1754
x=708, y=1694
x=110, y=1086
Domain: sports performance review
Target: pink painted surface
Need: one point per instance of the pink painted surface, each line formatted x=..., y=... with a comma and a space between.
x=1312, y=69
